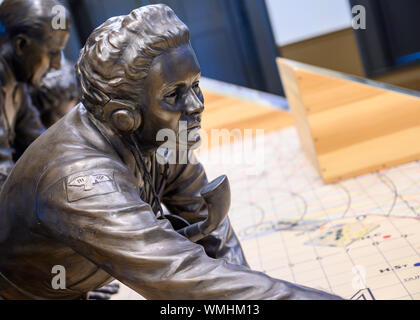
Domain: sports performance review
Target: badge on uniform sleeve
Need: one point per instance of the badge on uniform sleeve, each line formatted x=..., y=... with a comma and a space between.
x=90, y=183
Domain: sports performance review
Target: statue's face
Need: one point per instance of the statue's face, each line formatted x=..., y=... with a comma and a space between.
x=172, y=94
x=36, y=57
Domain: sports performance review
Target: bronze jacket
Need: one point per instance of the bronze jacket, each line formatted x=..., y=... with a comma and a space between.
x=77, y=199
x=20, y=123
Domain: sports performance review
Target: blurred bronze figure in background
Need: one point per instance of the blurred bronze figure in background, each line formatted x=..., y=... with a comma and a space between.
x=89, y=194
x=29, y=48
x=30, y=62
x=57, y=94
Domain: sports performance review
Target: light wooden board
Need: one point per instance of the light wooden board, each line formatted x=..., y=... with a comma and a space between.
x=350, y=126
x=222, y=112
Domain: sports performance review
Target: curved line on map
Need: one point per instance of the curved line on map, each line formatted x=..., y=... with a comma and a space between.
x=262, y=212
x=348, y=199
x=266, y=227
x=293, y=194
x=305, y=204
x=391, y=185
x=236, y=210
x=398, y=195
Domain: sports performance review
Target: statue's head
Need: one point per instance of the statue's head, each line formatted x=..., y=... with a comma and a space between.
x=139, y=74
x=34, y=32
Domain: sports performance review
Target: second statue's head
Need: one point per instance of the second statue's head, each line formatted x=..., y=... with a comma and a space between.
x=139, y=75
x=33, y=34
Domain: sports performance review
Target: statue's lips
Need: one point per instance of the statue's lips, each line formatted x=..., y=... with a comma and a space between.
x=194, y=127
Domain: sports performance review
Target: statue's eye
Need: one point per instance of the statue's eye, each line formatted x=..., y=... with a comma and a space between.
x=171, y=97
x=196, y=88
x=54, y=53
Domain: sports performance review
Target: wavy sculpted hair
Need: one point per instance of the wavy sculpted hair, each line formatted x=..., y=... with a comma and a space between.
x=118, y=55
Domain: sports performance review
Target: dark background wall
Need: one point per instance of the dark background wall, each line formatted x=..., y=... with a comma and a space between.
x=233, y=39
x=390, y=41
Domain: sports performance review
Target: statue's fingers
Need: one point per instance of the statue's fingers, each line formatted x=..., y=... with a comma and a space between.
x=95, y=295
x=114, y=285
x=107, y=290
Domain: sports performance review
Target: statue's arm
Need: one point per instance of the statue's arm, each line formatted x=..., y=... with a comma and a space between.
x=6, y=152
x=28, y=125
x=112, y=227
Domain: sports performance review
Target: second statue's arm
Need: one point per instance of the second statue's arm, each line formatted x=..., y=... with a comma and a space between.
x=6, y=151
x=28, y=124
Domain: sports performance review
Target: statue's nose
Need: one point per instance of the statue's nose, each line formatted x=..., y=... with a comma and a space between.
x=193, y=103
x=56, y=62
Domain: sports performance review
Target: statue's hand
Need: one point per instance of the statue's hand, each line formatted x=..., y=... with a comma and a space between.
x=217, y=197
x=216, y=194
x=105, y=292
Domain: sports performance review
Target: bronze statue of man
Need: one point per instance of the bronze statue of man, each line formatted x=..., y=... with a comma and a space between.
x=29, y=48
x=87, y=195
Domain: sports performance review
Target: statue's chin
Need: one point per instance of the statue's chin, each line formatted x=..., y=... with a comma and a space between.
x=191, y=144
x=195, y=145
x=35, y=81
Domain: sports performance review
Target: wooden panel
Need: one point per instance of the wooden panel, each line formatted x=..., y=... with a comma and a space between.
x=222, y=112
x=299, y=113
x=353, y=126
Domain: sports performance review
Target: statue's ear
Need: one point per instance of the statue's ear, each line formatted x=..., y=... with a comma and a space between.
x=20, y=44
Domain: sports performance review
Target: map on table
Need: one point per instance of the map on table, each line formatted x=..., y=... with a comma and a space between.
x=359, y=238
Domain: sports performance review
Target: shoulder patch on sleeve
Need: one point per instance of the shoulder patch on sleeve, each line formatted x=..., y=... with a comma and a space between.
x=90, y=183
